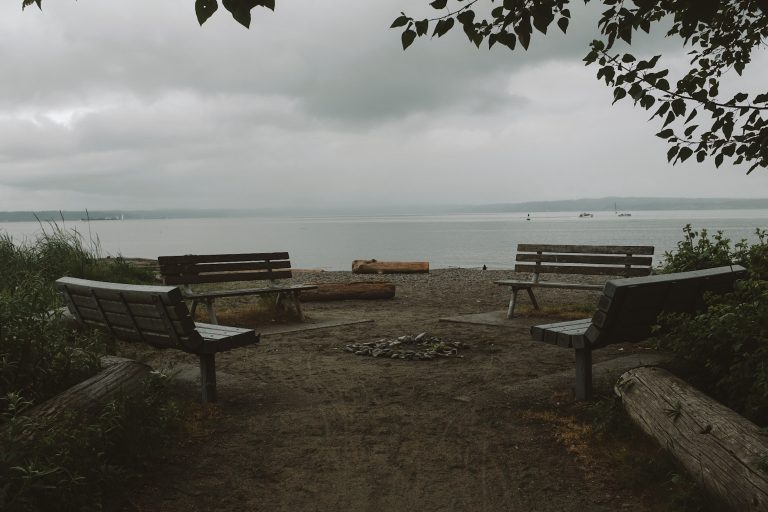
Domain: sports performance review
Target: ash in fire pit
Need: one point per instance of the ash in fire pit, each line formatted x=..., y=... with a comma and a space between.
x=419, y=347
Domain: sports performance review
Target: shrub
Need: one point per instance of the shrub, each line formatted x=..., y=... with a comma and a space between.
x=724, y=350
x=80, y=463
x=74, y=463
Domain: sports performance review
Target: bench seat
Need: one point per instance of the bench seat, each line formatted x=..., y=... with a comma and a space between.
x=627, y=311
x=249, y=291
x=549, y=284
x=221, y=338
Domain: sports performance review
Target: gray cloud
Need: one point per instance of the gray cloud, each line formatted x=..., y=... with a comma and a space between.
x=116, y=105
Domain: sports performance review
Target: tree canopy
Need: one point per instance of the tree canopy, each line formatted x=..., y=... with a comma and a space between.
x=696, y=121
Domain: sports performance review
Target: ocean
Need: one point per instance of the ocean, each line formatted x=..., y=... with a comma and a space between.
x=459, y=240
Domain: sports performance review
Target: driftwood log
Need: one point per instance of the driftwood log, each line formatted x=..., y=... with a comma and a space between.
x=389, y=267
x=362, y=290
x=723, y=451
x=119, y=377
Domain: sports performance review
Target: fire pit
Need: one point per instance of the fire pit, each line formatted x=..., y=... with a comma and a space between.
x=419, y=347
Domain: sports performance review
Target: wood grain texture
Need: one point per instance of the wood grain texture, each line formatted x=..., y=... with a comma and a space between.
x=364, y=290
x=389, y=267
x=720, y=449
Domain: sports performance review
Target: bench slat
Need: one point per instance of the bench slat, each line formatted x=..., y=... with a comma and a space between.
x=228, y=277
x=588, y=249
x=587, y=259
x=549, y=284
x=250, y=291
x=602, y=271
x=202, y=268
x=214, y=258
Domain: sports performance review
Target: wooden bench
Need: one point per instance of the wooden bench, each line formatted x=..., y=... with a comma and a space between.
x=607, y=260
x=627, y=311
x=221, y=268
x=155, y=315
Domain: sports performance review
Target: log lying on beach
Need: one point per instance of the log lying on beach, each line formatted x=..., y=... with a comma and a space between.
x=120, y=377
x=723, y=451
x=389, y=267
x=362, y=290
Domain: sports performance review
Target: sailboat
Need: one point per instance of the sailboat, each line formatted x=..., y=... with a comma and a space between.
x=622, y=214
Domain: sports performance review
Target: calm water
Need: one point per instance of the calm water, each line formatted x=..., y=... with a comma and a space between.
x=465, y=240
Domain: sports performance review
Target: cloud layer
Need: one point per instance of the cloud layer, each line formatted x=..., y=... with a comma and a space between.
x=133, y=105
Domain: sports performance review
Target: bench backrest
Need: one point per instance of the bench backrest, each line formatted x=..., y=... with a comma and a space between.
x=220, y=268
x=629, y=308
x=611, y=260
x=155, y=315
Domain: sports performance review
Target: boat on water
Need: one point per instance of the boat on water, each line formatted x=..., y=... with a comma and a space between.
x=585, y=214
x=622, y=214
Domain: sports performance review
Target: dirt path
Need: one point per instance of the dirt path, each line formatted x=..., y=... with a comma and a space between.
x=304, y=426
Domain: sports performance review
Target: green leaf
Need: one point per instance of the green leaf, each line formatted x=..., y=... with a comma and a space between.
x=439, y=4
x=618, y=93
x=678, y=106
x=422, y=27
x=27, y=3
x=684, y=154
x=700, y=156
x=442, y=27
x=761, y=98
x=205, y=9
x=628, y=58
x=400, y=21
x=672, y=152
x=665, y=134
x=719, y=160
x=507, y=39
x=563, y=24
x=407, y=38
x=240, y=10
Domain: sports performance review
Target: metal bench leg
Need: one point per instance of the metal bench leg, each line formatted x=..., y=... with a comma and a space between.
x=211, y=311
x=583, y=373
x=533, y=298
x=512, y=301
x=297, y=304
x=208, y=377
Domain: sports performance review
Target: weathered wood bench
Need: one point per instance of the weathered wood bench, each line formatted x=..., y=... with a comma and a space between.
x=628, y=309
x=222, y=268
x=155, y=315
x=606, y=260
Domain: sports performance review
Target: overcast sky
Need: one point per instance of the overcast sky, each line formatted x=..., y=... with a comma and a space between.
x=132, y=105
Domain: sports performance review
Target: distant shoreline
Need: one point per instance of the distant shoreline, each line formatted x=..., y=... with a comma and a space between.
x=604, y=204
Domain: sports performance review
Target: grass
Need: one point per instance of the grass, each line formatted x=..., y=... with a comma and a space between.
x=75, y=463
x=600, y=435
x=250, y=312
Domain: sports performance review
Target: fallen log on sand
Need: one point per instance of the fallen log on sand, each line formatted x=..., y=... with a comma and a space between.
x=120, y=377
x=389, y=267
x=723, y=451
x=363, y=290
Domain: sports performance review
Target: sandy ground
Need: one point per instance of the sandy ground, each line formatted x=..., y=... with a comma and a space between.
x=302, y=425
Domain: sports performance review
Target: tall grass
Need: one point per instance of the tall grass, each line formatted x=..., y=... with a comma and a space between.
x=76, y=463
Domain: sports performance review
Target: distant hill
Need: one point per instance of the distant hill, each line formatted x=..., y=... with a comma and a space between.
x=625, y=204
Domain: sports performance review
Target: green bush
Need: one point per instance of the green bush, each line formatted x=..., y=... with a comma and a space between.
x=75, y=463
x=39, y=354
x=724, y=350
x=83, y=463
